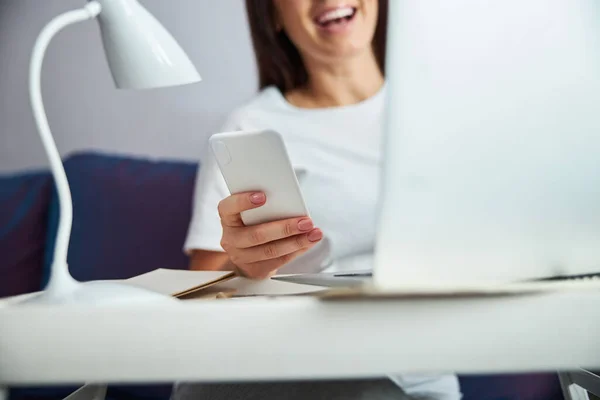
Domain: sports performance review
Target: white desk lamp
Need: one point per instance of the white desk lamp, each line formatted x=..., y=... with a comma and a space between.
x=141, y=54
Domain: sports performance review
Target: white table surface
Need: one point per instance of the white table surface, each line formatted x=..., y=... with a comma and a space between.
x=295, y=338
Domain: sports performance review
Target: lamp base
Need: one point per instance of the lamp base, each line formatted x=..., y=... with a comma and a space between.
x=97, y=293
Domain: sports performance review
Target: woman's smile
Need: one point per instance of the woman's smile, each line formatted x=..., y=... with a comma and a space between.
x=335, y=20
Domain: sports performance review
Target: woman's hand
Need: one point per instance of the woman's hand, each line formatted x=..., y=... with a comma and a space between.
x=258, y=251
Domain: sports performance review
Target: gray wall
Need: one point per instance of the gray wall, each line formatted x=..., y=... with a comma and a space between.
x=86, y=111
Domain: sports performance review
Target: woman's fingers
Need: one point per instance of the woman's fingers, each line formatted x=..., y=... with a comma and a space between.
x=258, y=251
x=277, y=249
x=257, y=235
x=231, y=207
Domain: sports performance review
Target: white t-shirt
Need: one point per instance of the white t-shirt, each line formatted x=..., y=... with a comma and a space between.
x=337, y=156
x=336, y=153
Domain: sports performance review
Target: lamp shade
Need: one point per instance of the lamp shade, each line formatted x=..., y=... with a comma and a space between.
x=140, y=52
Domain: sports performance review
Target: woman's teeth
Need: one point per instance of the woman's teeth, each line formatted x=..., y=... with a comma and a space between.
x=336, y=16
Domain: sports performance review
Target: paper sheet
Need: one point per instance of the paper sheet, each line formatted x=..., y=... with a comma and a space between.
x=178, y=282
x=209, y=284
x=268, y=287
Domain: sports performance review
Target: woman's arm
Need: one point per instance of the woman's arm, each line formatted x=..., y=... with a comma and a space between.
x=204, y=260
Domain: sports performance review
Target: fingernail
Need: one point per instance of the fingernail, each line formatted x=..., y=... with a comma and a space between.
x=305, y=224
x=315, y=236
x=258, y=198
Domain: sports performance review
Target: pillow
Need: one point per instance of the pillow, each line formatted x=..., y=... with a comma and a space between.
x=24, y=202
x=130, y=216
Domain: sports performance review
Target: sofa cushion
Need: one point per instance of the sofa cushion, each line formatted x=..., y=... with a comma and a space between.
x=532, y=386
x=24, y=202
x=117, y=392
x=130, y=215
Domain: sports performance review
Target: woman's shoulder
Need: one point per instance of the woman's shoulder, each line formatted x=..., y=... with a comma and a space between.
x=267, y=97
x=268, y=100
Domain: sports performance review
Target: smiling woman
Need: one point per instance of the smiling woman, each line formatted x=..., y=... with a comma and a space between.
x=322, y=87
x=310, y=31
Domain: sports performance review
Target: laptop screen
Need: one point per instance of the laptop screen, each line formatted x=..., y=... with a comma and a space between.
x=492, y=142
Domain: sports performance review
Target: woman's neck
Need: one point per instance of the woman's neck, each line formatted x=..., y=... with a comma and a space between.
x=341, y=84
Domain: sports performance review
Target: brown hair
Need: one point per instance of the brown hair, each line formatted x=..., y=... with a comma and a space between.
x=278, y=60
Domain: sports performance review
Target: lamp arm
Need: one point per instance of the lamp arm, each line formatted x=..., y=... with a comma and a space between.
x=59, y=275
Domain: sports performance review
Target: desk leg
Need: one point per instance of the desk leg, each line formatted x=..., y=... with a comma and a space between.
x=88, y=392
x=571, y=389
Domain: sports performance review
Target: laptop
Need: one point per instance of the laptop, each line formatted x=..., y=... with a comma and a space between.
x=492, y=144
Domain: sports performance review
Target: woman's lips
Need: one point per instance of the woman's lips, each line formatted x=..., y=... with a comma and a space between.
x=336, y=20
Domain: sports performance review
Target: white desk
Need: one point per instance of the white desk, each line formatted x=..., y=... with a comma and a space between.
x=295, y=338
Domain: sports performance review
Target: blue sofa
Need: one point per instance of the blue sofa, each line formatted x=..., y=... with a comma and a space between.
x=130, y=217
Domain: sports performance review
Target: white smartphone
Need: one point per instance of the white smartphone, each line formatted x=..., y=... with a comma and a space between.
x=259, y=161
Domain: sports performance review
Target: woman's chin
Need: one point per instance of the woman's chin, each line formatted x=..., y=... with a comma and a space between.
x=347, y=40
x=345, y=49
